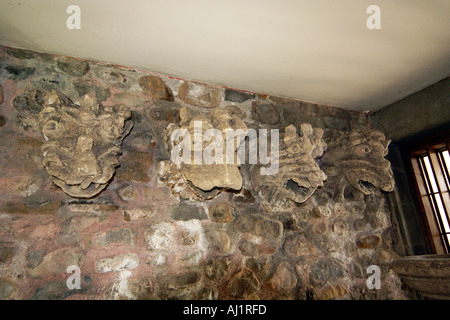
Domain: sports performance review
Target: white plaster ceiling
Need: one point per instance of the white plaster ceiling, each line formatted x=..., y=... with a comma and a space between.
x=314, y=50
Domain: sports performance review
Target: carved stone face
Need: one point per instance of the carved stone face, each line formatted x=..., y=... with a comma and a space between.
x=205, y=180
x=82, y=143
x=359, y=156
x=298, y=175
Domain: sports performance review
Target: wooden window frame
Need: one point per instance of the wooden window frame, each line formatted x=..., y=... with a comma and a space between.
x=432, y=224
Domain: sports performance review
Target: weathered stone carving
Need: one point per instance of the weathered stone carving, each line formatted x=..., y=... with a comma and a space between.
x=358, y=156
x=82, y=143
x=199, y=180
x=298, y=175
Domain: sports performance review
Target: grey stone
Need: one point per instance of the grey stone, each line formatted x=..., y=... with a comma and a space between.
x=58, y=290
x=7, y=289
x=289, y=115
x=84, y=87
x=20, y=53
x=7, y=252
x=120, y=236
x=28, y=54
x=35, y=257
x=19, y=72
x=56, y=262
x=184, y=212
x=72, y=66
x=2, y=121
x=359, y=224
x=266, y=113
x=113, y=77
x=51, y=81
x=236, y=111
x=71, y=228
x=350, y=248
x=378, y=220
x=237, y=96
x=359, y=266
x=127, y=193
x=30, y=101
x=327, y=269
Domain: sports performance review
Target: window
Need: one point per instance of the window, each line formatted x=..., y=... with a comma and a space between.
x=430, y=163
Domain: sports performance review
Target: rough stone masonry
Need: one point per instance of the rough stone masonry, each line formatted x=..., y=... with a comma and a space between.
x=79, y=186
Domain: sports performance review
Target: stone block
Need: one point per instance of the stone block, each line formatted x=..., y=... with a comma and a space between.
x=260, y=226
x=201, y=95
x=7, y=288
x=160, y=236
x=73, y=67
x=119, y=236
x=155, y=87
x=56, y=262
x=237, y=96
x=284, y=278
x=221, y=212
x=184, y=212
x=370, y=241
x=7, y=252
x=17, y=72
x=127, y=261
x=243, y=284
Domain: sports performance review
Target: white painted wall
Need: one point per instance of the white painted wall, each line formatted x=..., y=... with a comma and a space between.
x=319, y=51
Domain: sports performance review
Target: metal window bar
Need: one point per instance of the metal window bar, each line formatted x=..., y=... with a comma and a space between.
x=444, y=162
x=434, y=195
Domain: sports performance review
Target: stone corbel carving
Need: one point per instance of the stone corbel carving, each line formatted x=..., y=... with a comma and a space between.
x=298, y=175
x=198, y=180
x=82, y=143
x=358, y=157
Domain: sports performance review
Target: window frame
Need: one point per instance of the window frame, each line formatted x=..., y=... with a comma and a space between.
x=436, y=239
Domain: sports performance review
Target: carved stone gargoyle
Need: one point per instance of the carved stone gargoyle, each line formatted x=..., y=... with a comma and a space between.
x=358, y=156
x=298, y=174
x=82, y=142
x=198, y=180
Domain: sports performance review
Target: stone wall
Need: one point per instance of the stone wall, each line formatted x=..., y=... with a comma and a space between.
x=148, y=235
